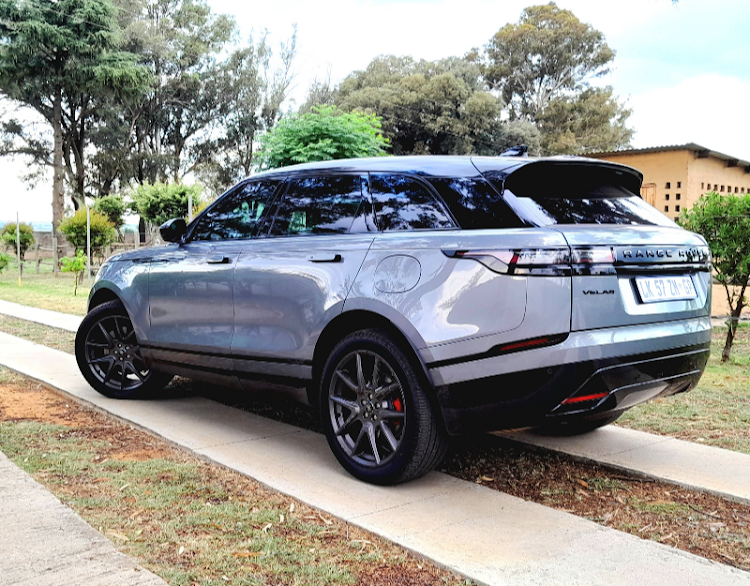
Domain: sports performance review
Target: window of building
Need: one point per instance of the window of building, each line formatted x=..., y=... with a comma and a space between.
x=703, y=185
x=669, y=185
x=666, y=208
x=678, y=196
x=735, y=189
x=679, y=184
x=716, y=187
x=729, y=189
x=677, y=208
x=722, y=189
x=666, y=197
x=742, y=190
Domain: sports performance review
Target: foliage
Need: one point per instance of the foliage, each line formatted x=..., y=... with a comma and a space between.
x=324, y=134
x=63, y=61
x=113, y=208
x=724, y=221
x=74, y=228
x=427, y=107
x=75, y=265
x=26, y=233
x=543, y=66
x=160, y=202
x=4, y=260
x=589, y=122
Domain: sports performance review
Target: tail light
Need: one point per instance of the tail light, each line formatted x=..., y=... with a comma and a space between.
x=525, y=261
x=580, y=260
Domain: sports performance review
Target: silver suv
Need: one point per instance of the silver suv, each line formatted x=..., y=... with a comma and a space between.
x=415, y=298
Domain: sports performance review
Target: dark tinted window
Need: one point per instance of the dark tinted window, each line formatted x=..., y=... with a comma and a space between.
x=403, y=203
x=475, y=204
x=235, y=215
x=599, y=210
x=318, y=205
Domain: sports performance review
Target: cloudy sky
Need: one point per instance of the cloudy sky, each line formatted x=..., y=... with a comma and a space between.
x=683, y=68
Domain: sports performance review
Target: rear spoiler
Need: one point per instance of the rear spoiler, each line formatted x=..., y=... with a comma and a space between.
x=562, y=177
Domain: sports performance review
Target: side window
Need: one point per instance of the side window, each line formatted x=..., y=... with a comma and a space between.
x=318, y=205
x=236, y=214
x=475, y=204
x=403, y=203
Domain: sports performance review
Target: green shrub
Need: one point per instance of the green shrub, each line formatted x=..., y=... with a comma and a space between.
x=112, y=207
x=160, y=202
x=9, y=237
x=75, y=265
x=4, y=260
x=74, y=228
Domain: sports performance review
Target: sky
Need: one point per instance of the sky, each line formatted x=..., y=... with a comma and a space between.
x=683, y=68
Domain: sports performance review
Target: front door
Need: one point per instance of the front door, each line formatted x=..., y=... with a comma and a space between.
x=290, y=284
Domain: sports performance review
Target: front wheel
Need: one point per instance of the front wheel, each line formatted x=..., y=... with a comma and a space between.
x=376, y=414
x=109, y=356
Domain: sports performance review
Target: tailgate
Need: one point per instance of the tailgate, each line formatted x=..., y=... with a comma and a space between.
x=655, y=273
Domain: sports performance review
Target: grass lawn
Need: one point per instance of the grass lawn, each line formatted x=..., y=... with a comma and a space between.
x=188, y=521
x=716, y=412
x=43, y=290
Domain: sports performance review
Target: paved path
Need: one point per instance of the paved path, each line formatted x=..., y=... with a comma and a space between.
x=43, y=542
x=687, y=464
x=54, y=319
x=486, y=535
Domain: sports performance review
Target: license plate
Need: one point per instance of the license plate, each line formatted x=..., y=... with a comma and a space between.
x=653, y=289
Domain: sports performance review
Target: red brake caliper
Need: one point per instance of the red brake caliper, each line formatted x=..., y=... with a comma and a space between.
x=398, y=407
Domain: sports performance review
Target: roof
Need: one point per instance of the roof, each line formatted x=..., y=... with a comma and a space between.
x=701, y=151
x=444, y=165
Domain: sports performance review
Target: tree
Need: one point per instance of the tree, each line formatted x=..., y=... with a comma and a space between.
x=435, y=107
x=75, y=265
x=543, y=67
x=589, y=122
x=159, y=202
x=724, y=221
x=324, y=134
x=74, y=228
x=26, y=233
x=57, y=58
x=111, y=207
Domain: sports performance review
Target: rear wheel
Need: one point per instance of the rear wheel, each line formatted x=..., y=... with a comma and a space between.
x=376, y=414
x=576, y=427
x=109, y=355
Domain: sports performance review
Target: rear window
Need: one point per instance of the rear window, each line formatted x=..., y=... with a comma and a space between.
x=592, y=210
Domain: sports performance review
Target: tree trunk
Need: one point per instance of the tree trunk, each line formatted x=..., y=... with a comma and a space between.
x=58, y=187
x=734, y=320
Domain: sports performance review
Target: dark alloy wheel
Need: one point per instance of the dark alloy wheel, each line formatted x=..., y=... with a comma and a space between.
x=378, y=419
x=109, y=355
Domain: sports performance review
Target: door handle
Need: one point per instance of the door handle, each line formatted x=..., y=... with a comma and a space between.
x=324, y=257
x=217, y=260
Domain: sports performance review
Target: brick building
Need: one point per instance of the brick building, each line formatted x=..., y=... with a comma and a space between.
x=675, y=177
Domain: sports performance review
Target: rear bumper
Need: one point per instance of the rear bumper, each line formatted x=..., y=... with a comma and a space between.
x=586, y=376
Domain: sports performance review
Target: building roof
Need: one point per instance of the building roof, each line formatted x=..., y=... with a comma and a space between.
x=701, y=151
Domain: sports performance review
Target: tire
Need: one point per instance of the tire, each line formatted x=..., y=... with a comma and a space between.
x=376, y=413
x=577, y=427
x=109, y=356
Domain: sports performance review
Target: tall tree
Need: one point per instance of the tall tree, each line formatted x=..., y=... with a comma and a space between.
x=543, y=67
x=438, y=107
x=57, y=58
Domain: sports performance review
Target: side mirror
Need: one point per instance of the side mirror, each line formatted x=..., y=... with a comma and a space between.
x=173, y=230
